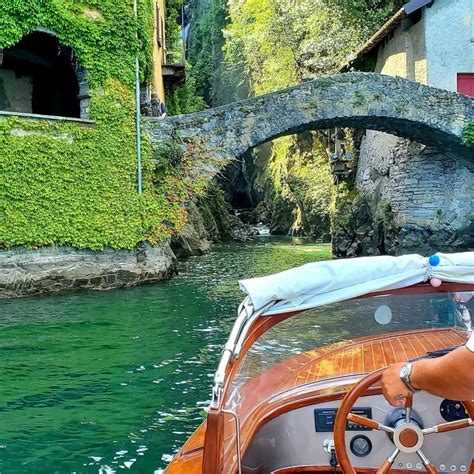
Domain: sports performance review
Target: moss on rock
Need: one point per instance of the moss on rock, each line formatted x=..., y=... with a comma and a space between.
x=468, y=135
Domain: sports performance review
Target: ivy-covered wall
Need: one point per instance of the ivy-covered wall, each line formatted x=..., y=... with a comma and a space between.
x=64, y=183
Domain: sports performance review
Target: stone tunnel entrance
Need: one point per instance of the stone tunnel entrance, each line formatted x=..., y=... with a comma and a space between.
x=38, y=76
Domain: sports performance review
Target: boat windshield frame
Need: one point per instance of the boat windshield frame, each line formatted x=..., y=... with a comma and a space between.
x=250, y=325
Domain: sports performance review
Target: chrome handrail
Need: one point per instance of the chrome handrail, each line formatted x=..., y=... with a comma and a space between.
x=245, y=319
x=246, y=328
x=245, y=311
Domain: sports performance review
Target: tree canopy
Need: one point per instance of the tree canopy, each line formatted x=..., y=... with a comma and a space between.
x=283, y=42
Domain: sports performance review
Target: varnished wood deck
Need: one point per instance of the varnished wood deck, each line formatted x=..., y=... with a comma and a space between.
x=366, y=355
x=359, y=356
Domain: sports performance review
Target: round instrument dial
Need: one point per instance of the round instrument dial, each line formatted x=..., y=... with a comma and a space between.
x=452, y=410
x=361, y=446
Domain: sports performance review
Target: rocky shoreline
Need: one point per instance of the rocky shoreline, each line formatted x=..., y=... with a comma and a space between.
x=47, y=270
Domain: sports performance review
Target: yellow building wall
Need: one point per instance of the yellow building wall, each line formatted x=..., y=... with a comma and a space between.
x=404, y=54
x=418, y=53
x=159, y=52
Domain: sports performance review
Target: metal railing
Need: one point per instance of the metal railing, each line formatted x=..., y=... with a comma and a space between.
x=246, y=317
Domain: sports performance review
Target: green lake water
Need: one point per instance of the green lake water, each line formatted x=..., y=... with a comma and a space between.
x=116, y=381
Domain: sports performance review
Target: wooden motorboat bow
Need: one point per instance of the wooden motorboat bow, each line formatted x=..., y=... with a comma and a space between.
x=282, y=402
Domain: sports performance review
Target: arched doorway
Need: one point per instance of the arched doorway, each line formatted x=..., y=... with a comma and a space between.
x=37, y=76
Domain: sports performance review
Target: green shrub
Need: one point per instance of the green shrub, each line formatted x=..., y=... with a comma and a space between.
x=468, y=135
x=65, y=183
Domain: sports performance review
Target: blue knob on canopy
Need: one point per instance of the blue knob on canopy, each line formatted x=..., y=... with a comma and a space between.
x=434, y=260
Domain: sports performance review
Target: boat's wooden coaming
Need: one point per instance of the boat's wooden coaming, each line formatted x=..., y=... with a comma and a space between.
x=323, y=375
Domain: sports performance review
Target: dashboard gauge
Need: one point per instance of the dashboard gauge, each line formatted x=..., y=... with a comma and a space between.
x=361, y=446
x=452, y=410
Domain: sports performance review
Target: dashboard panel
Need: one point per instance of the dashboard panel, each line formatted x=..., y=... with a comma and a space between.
x=299, y=437
x=324, y=419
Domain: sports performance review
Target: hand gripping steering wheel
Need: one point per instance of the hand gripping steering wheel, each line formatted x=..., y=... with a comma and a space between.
x=407, y=436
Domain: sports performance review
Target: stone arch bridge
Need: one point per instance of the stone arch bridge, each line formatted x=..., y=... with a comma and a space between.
x=428, y=188
x=356, y=100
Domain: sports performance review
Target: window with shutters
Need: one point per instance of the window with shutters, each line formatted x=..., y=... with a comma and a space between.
x=159, y=27
x=466, y=83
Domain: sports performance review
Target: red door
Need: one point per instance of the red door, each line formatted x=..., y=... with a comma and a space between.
x=466, y=84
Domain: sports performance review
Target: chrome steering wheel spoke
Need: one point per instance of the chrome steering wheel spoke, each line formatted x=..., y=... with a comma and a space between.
x=450, y=426
x=426, y=462
x=385, y=467
x=369, y=423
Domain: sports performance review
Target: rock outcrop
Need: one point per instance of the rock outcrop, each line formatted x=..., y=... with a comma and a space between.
x=219, y=219
x=194, y=238
x=47, y=270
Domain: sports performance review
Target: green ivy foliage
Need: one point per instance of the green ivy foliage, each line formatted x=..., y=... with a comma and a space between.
x=106, y=45
x=468, y=135
x=65, y=183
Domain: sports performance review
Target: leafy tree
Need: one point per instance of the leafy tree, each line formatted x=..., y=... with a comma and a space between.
x=282, y=42
x=259, y=46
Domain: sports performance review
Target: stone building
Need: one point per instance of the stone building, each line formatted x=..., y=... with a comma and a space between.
x=81, y=202
x=427, y=41
x=39, y=75
x=431, y=42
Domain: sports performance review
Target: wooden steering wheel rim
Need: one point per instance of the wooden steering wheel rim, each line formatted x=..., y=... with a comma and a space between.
x=346, y=406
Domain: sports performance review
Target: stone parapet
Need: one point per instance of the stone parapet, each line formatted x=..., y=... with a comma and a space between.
x=55, y=269
x=356, y=100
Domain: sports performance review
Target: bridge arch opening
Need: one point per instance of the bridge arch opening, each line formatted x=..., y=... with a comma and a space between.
x=419, y=192
x=400, y=127
x=39, y=75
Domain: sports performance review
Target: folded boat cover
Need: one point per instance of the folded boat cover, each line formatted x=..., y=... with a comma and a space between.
x=321, y=283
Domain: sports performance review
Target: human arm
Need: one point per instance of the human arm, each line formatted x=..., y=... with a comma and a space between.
x=450, y=376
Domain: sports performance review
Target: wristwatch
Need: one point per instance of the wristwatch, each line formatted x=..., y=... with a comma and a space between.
x=405, y=373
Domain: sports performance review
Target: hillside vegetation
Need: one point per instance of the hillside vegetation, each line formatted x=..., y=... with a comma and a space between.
x=242, y=48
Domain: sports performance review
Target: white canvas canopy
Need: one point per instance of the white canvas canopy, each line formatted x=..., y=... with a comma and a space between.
x=321, y=283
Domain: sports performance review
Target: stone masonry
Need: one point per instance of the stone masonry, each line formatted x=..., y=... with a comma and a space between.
x=357, y=100
x=430, y=192
x=48, y=270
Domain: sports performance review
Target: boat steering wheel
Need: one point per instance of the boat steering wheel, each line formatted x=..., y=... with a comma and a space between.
x=407, y=436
